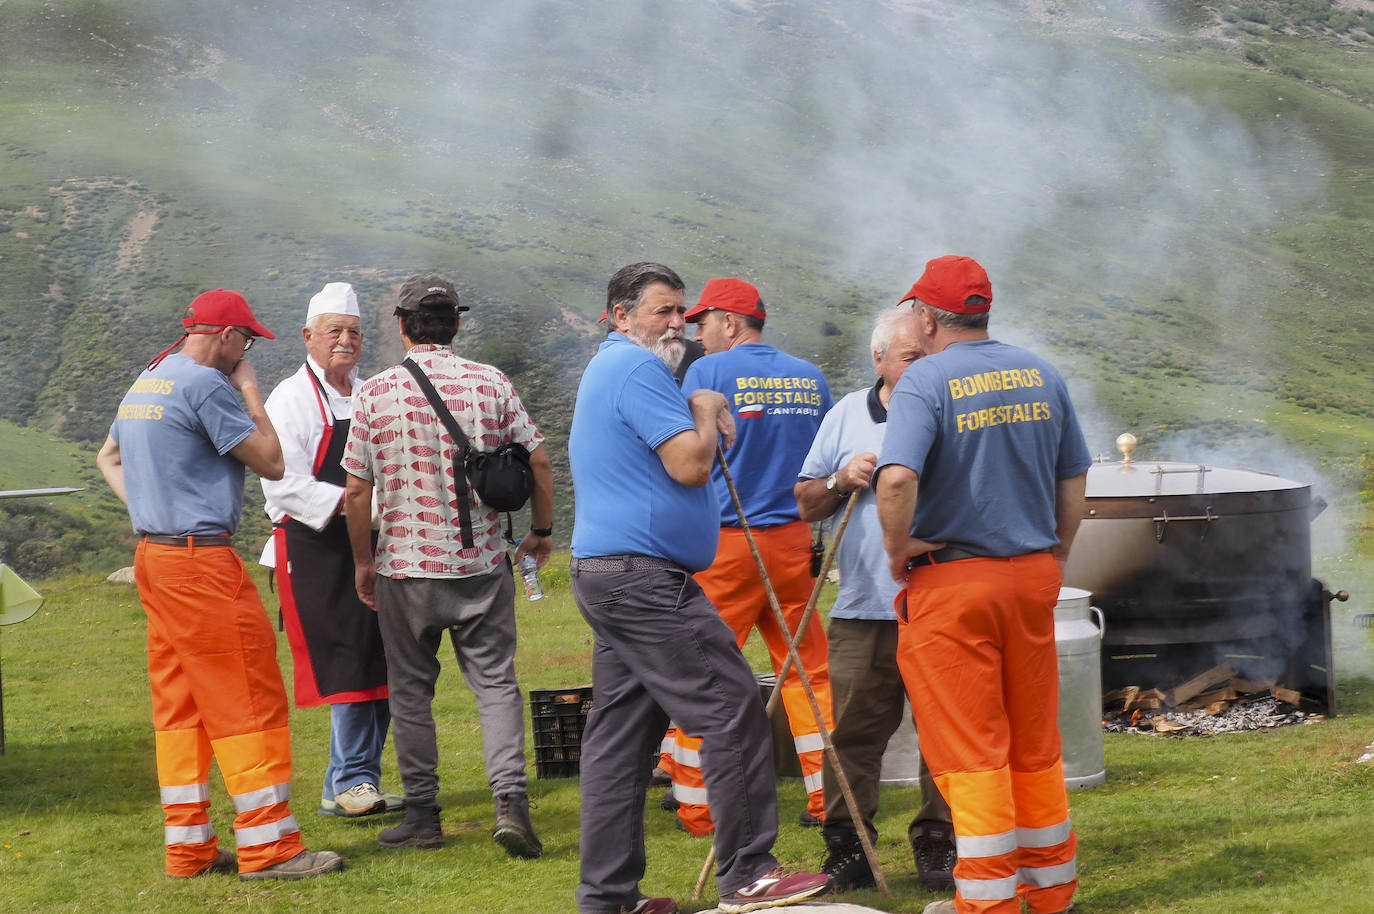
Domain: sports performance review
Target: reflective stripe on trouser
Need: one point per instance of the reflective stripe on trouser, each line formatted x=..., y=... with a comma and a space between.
x=217, y=692
x=978, y=657
x=734, y=587
x=665, y=750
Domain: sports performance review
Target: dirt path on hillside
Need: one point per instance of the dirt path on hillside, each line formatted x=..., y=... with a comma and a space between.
x=140, y=230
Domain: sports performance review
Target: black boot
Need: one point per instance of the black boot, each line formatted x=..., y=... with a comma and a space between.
x=420, y=829
x=513, y=829
x=935, y=857
x=845, y=862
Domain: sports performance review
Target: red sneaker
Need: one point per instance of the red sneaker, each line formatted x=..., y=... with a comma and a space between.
x=648, y=905
x=780, y=887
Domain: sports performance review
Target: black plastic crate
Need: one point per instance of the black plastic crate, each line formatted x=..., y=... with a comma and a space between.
x=559, y=716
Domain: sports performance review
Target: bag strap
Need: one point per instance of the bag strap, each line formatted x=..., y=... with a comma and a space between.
x=460, y=476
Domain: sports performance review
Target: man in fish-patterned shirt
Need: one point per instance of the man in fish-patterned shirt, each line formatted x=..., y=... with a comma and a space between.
x=431, y=572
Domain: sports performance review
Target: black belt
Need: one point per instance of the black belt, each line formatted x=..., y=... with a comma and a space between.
x=940, y=556
x=624, y=563
x=203, y=539
x=954, y=554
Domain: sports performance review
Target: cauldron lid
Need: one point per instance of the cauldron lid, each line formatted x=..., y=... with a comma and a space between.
x=1149, y=478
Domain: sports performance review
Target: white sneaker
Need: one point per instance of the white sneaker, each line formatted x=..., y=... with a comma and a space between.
x=361, y=800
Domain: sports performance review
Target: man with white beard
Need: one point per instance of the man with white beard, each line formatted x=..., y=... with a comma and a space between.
x=646, y=519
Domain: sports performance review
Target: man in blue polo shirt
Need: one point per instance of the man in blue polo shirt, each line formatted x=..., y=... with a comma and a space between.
x=641, y=456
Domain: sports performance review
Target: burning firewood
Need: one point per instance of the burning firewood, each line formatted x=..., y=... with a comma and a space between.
x=1217, y=701
x=1198, y=684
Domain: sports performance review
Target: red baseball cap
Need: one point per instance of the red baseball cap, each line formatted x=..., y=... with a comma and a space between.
x=222, y=308
x=949, y=282
x=729, y=294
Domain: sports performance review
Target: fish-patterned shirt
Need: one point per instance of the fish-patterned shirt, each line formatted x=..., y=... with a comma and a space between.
x=398, y=443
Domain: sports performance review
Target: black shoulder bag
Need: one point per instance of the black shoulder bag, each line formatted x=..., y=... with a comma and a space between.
x=503, y=479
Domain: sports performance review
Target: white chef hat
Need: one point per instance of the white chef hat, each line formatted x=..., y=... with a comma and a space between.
x=334, y=298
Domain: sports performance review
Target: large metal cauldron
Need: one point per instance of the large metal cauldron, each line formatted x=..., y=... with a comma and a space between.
x=1194, y=565
x=1181, y=552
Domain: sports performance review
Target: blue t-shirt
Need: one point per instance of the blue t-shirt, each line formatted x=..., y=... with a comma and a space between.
x=856, y=426
x=175, y=428
x=624, y=500
x=990, y=430
x=777, y=401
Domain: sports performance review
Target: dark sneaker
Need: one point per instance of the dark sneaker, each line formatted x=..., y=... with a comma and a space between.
x=846, y=864
x=935, y=857
x=420, y=829
x=779, y=887
x=513, y=830
x=652, y=906
x=669, y=802
x=224, y=862
x=806, y=820
x=659, y=778
x=301, y=866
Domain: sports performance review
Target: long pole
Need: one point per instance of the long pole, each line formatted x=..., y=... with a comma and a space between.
x=794, y=659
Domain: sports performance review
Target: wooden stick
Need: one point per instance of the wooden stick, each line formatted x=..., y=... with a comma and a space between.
x=793, y=658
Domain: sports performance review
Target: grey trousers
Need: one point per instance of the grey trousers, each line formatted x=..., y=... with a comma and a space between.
x=479, y=614
x=661, y=650
x=869, y=697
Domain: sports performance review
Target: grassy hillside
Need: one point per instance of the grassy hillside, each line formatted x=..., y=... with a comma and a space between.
x=1173, y=199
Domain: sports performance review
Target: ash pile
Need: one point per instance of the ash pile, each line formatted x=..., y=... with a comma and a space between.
x=1215, y=702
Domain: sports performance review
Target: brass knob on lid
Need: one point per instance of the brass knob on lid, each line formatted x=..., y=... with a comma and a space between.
x=1125, y=443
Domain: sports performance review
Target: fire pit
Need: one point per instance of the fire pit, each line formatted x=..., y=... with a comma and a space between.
x=1217, y=701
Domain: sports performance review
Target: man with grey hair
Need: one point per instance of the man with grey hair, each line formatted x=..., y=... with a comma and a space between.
x=641, y=455
x=866, y=684
x=335, y=643
x=438, y=567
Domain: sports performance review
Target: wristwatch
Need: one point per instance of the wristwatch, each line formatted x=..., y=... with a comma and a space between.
x=833, y=485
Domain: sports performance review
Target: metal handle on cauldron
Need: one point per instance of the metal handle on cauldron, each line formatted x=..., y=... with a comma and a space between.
x=1163, y=520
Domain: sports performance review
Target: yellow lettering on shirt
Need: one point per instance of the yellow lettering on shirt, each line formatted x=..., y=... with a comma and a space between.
x=152, y=386
x=146, y=411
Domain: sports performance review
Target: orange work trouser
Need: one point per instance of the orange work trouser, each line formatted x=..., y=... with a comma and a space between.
x=978, y=658
x=735, y=588
x=217, y=690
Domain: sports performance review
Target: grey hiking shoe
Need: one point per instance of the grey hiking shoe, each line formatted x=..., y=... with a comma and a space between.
x=514, y=830
x=301, y=866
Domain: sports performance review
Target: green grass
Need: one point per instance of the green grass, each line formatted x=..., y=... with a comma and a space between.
x=1274, y=822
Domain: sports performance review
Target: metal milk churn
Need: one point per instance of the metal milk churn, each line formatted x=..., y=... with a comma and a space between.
x=902, y=759
x=1078, y=630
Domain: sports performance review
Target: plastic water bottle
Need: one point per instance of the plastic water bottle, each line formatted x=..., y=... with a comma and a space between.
x=529, y=573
